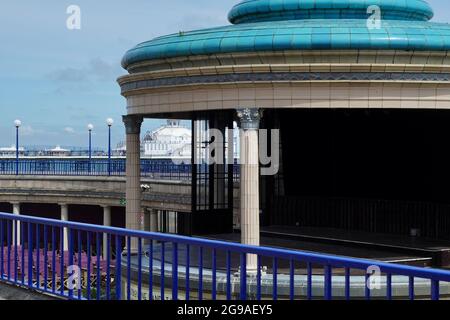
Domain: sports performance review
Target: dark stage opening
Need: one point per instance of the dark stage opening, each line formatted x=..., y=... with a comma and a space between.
x=375, y=170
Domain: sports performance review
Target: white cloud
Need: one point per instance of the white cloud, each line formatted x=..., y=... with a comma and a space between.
x=69, y=130
x=28, y=131
x=97, y=69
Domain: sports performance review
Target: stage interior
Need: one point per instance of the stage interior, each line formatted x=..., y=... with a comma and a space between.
x=360, y=183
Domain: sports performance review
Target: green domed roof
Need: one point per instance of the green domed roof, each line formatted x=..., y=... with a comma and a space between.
x=278, y=25
x=274, y=10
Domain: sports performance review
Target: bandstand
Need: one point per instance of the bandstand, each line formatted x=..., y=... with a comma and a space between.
x=362, y=112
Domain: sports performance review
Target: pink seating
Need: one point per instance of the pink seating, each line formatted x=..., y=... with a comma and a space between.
x=45, y=262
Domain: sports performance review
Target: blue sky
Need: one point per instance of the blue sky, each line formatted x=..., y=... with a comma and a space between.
x=57, y=81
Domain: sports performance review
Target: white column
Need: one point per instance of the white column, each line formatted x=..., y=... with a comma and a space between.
x=150, y=221
x=16, y=211
x=249, y=181
x=154, y=220
x=133, y=183
x=106, y=223
x=65, y=217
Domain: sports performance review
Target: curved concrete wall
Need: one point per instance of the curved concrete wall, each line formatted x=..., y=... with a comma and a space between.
x=100, y=191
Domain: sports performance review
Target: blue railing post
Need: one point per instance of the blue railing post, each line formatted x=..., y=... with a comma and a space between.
x=45, y=257
x=118, y=268
x=243, y=280
x=291, y=280
x=30, y=255
x=367, y=287
x=347, y=283
x=411, y=288
x=163, y=270
x=200, y=273
x=98, y=253
x=188, y=270
x=258, y=279
x=275, y=280
x=1, y=251
x=88, y=271
x=108, y=266
x=389, y=287
x=53, y=260
x=175, y=272
x=71, y=252
x=150, y=271
x=128, y=268
x=435, y=290
x=328, y=275
x=228, y=275
x=214, y=275
x=309, y=281
x=139, y=269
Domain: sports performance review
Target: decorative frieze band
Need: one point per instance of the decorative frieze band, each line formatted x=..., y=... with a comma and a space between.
x=285, y=76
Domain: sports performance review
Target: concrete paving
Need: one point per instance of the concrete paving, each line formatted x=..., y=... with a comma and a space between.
x=10, y=292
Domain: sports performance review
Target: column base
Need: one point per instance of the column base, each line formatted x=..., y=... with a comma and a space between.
x=252, y=272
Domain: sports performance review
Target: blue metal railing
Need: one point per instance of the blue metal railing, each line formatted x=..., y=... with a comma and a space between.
x=65, y=259
x=164, y=169
x=161, y=169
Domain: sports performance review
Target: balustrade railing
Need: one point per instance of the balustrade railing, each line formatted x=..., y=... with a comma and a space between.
x=159, y=169
x=69, y=259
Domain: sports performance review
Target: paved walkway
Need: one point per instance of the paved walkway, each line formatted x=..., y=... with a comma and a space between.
x=9, y=292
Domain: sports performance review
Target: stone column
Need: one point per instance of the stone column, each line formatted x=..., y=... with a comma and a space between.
x=150, y=221
x=16, y=211
x=133, y=183
x=106, y=223
x=249, y=181
x=65, y=217
x=153, y=220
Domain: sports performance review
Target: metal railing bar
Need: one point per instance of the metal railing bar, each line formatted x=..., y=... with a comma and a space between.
x=333, y=261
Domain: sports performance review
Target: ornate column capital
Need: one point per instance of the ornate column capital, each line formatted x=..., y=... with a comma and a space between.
x=132, y=124
x=249, y=118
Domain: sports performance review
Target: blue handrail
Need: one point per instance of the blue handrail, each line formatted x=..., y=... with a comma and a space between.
x=138, y=253
x=161, y=169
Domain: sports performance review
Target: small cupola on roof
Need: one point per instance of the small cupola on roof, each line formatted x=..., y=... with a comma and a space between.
x=278, y=10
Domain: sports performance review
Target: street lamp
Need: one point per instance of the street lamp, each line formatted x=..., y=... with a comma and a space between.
x=17, y=124
x=90, y=127
x=109, y=122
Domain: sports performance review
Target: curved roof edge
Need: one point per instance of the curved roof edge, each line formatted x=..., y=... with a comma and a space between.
x=295, y=35
x=277, y=10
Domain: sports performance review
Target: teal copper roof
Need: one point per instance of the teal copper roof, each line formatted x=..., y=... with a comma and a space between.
x=274, y=10
x=274, y=25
